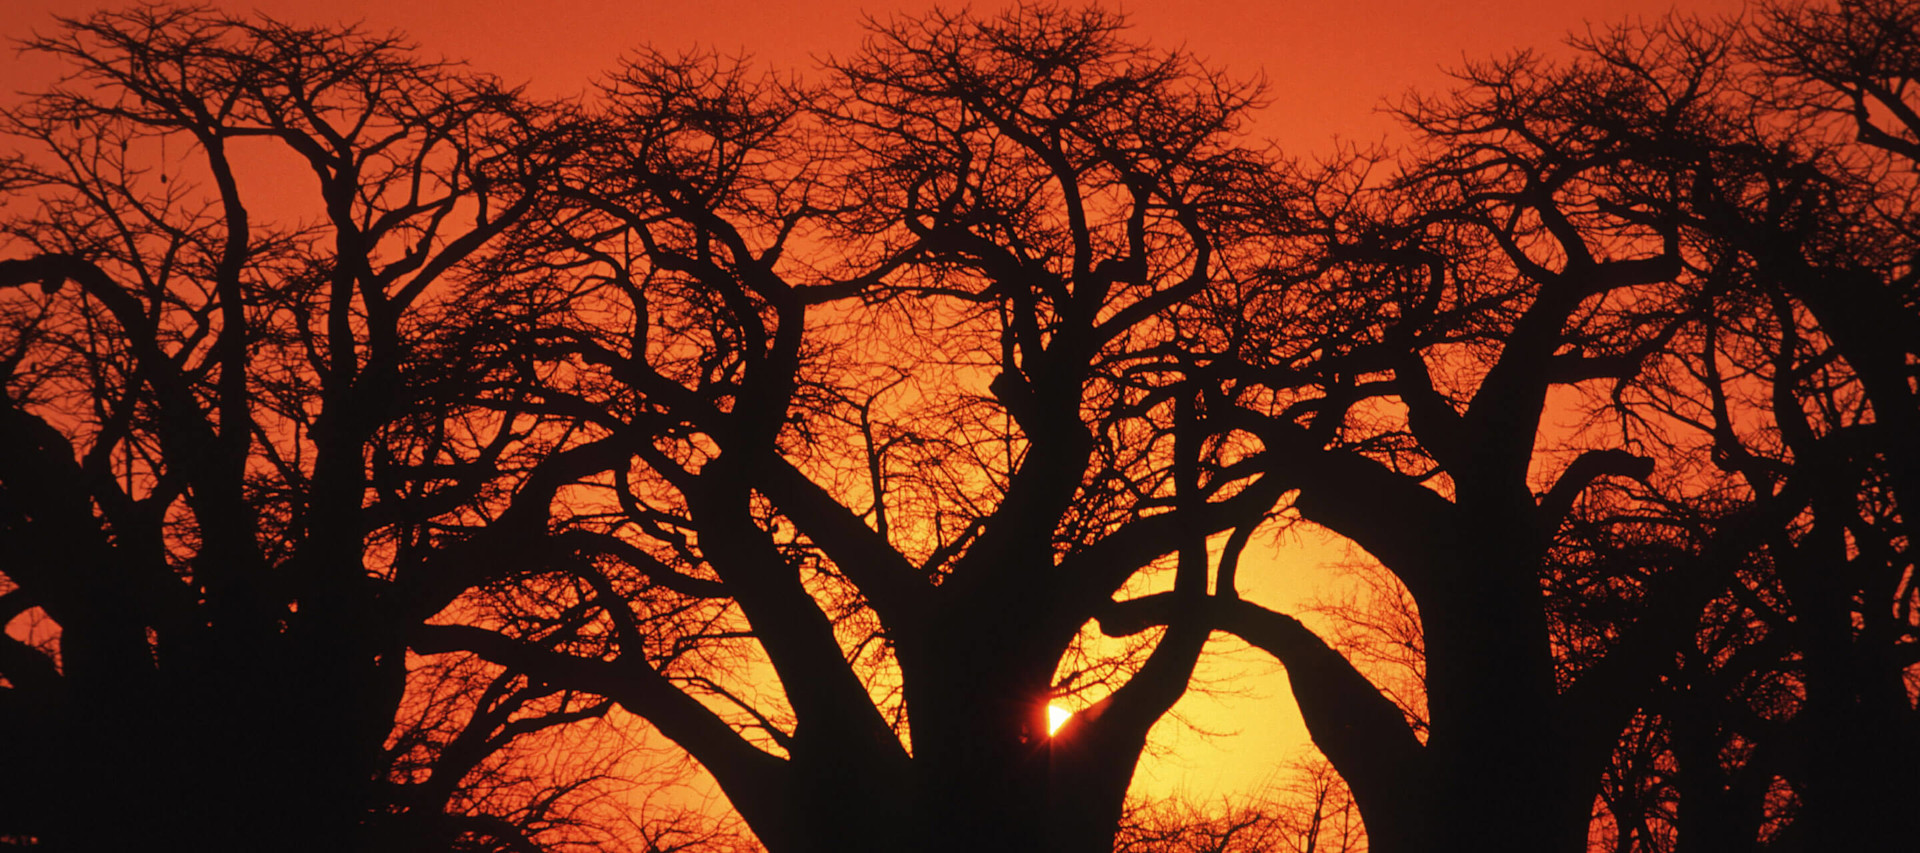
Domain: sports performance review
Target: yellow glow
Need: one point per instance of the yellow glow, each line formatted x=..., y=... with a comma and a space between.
x=1056, y=717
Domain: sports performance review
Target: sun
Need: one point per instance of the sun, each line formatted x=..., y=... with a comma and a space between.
x=1056, y=717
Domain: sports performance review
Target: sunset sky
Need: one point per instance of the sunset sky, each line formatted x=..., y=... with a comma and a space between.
x=1330, y=66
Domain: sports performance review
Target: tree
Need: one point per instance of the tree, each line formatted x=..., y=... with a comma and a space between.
x=1794, y=723
x=1661, y=227
x=242, y=452
x=1533, y=249
x=1789, y=721
x=885, y=404
x=1840, y=278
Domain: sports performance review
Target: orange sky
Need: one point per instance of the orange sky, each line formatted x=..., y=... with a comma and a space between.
x=1330, y=64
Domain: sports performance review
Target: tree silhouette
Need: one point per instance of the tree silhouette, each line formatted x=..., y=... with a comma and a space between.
x=241, y=453
x=1662, y=229
x=885, y=405
x=376, y=434
x=1792, y=722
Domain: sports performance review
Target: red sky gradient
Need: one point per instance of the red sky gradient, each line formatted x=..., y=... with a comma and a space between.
x=1330, y=63
x=1330, y=66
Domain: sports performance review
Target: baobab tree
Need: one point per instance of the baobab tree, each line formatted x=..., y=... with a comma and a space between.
x=1799, y=386
x=241, y=453
x=884, y=402
x=1660, y=229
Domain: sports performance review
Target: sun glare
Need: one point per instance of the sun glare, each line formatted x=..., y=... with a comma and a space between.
x=1056, y=717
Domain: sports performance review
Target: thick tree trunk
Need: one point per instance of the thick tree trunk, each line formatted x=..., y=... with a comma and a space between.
x=1495, y=753
x=240, y=769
